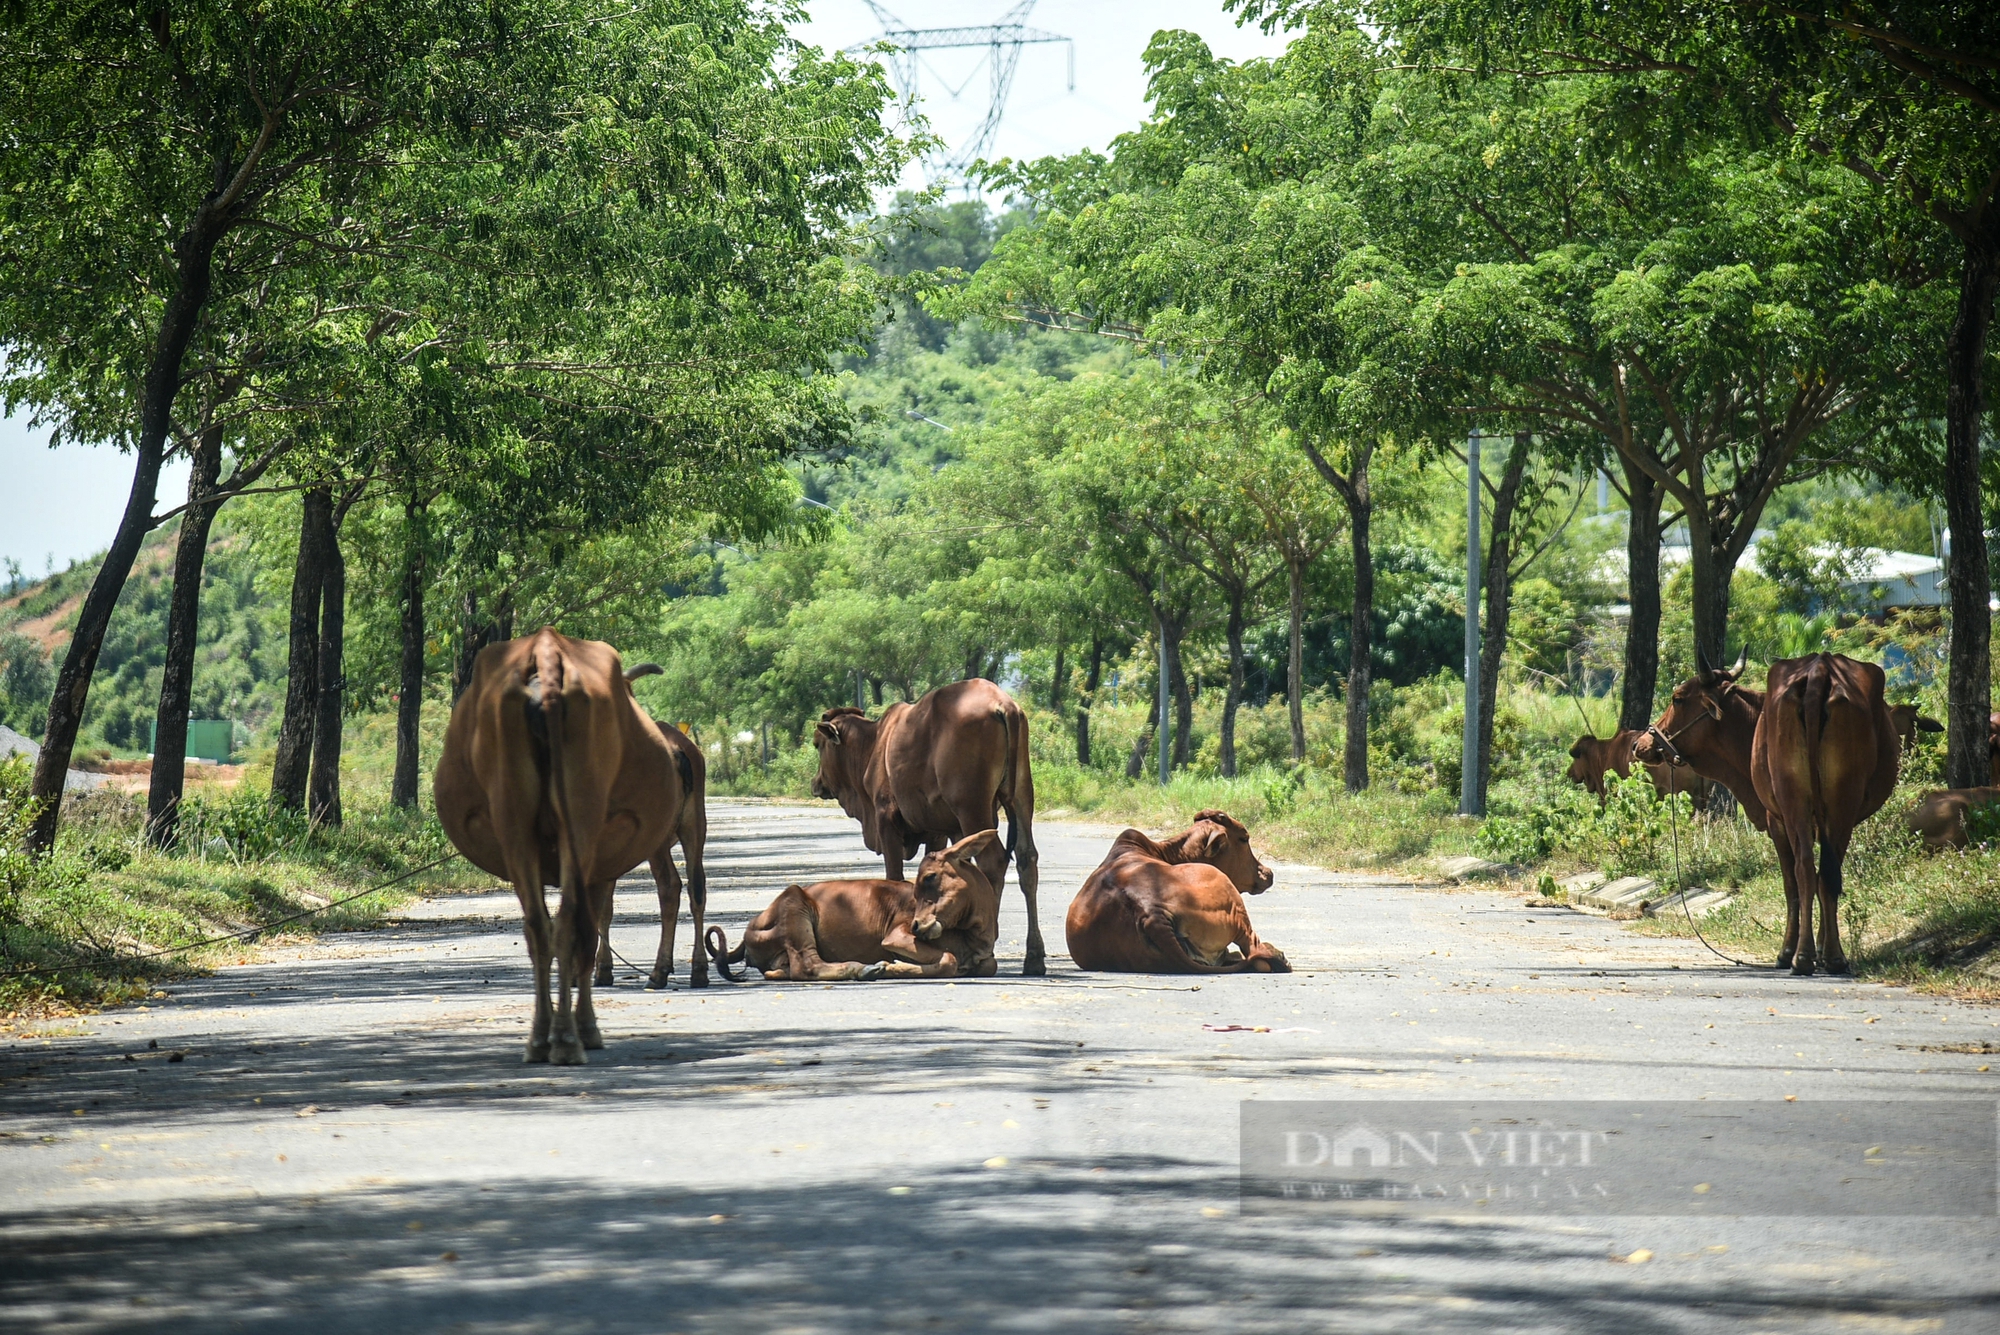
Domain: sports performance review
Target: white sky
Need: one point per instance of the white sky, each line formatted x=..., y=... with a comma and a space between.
x=64, y=504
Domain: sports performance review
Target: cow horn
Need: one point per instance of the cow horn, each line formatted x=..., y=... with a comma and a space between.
x=1742, y=661
x=638, y=670
x=1701, y=667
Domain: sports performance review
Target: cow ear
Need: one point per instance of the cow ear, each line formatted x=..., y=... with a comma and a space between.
x=984, y=851
x=828, y=731
x=1214, y=839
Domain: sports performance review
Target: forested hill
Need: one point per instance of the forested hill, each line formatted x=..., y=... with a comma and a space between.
x=239, y=666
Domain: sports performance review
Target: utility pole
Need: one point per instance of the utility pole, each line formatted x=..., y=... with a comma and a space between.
x=1471, y=793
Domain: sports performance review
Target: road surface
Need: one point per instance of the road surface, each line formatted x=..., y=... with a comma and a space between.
x=350, y=1143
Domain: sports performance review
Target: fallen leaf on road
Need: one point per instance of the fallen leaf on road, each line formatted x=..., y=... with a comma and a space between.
x=1640, y=1257
x=997, y=1161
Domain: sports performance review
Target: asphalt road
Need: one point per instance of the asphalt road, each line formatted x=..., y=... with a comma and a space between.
x=350, y=1143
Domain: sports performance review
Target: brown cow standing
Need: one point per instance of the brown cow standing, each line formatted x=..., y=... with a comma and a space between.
x=1591, y=757
x=1809, y=759
x=690, y=830
x=943, y=927
x=933, y=772
x=551, y=774
x=1174, y=907
x=1908, y=722
x=1824, y=760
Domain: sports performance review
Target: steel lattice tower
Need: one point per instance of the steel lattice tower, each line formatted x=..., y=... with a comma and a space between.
x=1003, y=41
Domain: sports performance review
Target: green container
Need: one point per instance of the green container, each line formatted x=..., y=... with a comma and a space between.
x=208, y=739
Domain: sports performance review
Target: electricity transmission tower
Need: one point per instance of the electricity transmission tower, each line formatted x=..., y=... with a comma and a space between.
x=1003, y=41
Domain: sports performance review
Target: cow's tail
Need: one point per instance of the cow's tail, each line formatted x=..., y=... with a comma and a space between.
x=548, y=669
x=1813, y=706
x=719, y=951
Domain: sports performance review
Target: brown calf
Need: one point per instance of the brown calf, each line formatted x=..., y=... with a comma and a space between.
x=943, y=927
x=551, y=775
x=1174, y=906
x=1591, y=757
x=935, y=771
x=1939, y=815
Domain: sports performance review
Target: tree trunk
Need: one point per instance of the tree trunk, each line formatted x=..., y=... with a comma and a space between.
x=1177, y=681
x=476, y=632
x=1295, y=665
x=1234, y=695
x=193, y=253
x=1361, y=647
x=323, y=793
x=1135, y=764
x=1971, y=684
x=289, y=770
x=170, y=724
x=1499, y=599
x=1709, y=571
x=1642, y=631
x=1089, y=701
x=410, y=690
x=1056, y=682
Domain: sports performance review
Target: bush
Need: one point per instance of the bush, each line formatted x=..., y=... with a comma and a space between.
x=1629, y=832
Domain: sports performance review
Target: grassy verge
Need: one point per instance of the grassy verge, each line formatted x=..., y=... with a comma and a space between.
x=79, y=919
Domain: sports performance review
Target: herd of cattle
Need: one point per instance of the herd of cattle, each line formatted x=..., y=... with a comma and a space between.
x=552, y=775
x=1809, y=757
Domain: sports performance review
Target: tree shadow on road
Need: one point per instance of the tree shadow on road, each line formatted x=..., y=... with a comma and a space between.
x=1142, y=1242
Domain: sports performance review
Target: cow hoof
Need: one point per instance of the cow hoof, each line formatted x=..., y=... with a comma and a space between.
x=656, y=983
x=569, y=1052
x=870, y=972
x=1837, y=966
x=536, y=1054
x=1802, y=969
x=593, y=1038
x=1785, y=961
x=604, y=979
x=698, y=977
x=1034, y=967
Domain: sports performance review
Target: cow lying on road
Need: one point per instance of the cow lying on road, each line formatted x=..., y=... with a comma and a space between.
x=942, y=927
x=934, y=771
x=1174, y=906
x=1939, y=815
x=551, y=774
x=1591, y=757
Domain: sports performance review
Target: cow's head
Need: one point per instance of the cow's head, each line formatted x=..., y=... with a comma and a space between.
x=1693, y=721
x=958, y=889
x=844, y=738
x=1586, y=763
x=1219, y=839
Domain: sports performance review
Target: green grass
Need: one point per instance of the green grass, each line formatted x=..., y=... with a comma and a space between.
x=82, y=918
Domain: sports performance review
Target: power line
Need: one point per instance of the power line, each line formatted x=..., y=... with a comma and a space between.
x=1003, y=41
